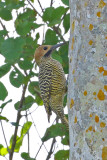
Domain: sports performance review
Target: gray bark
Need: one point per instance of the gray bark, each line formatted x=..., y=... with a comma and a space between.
x=87, y=84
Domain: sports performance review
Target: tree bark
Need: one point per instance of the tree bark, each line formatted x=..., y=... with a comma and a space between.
x=87, y=96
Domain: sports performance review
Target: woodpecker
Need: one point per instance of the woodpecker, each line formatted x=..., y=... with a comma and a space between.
x=52, y=81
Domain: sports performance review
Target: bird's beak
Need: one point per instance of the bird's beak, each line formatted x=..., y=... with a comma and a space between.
x=57, y=45
x=53, y=48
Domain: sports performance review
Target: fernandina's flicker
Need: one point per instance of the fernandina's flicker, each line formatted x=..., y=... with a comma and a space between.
x=52, y=81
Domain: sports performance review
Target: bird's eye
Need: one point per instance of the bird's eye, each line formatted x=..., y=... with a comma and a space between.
x=45, y=48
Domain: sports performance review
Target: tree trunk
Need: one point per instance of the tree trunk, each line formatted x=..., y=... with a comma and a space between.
x=87, y=98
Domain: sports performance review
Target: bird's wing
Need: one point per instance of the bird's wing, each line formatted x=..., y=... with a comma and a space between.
x=45, y=84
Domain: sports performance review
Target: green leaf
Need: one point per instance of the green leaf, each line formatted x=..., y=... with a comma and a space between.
x=3, y=151
x=26, y=156
x=65, y=101
x=39, y=101
x=57, y=57
x=19, y=140
x=25, y=22
x=16, y=78
x=25, y=64
x=5, y=14
x=50, y=37
x=4, y=69
x=62, y=155
x=53, y=15
x=63, y=52
x=66, y=23
x=3, y=92
x=12, y=49
x=66, y=2
x=25, y=128
x=54, y=131
x=3, y=33
x=3, y=118
x=4, y=104
x=65, y=140
x=33, y=87
x=15, y=124
x=47, y=16
x=28, y=102
x=14, y=4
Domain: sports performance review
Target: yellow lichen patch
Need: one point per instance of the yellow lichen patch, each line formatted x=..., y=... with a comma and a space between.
x=106, y=37
x=106, y=54
x=102, y=124
x=95, y=98
x=94, y=93
x=85, y=4
x=103, y=139
x=74, y=79
x=105, y=87
x=83, y=25
x=75, y=120
x=104, y=153
x=70, y=59
x=72, y=103
x=98, y=14
x=105, y=73
x=73, y=26
x=96, y=119
x=93, y=130
x=90, y=128
x=73, y=71
x=101, y=95
x=91, y=114
x=101, y=4
x=90, y=42
x=85, y=93
x=101, y=69
x=90, y=27
x=72, y=46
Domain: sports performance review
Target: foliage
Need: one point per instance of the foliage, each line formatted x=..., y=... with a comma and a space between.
x=18, y=51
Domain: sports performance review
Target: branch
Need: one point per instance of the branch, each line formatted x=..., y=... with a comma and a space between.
x=51, y=149
x=34, y=8
x=51, y=3
x=4, y=135
x=56, y=29
x=17, y=121
x=40, y=5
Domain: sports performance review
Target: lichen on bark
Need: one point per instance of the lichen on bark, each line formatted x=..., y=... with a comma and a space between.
x=87, y=96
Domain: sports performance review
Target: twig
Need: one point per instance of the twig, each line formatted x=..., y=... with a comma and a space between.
x=34, y=8
x=51, y=3
x=39, y=149
x=40, y=5
x=38, y=132
x=4, y=135
x=51, y=149
x=17, y=121
x=28, y=135
x=57, y=31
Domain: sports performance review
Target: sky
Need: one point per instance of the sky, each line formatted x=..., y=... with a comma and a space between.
x=39, y=115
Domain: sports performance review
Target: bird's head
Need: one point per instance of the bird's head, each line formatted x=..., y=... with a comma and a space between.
x=45, y=51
